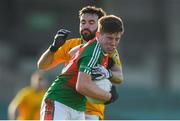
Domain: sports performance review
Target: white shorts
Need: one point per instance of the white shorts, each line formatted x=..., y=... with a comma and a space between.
x=53, y=110
x=91, y=117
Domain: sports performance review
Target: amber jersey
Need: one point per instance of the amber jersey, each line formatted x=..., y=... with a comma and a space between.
x=62, y=54
x=28, y=101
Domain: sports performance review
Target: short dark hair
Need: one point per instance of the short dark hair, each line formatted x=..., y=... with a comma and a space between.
x=92, y=10
x=110, y=24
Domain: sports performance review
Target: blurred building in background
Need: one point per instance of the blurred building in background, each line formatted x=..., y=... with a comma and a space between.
x=149, y=50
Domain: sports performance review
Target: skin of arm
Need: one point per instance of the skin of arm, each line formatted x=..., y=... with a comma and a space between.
x=117, y=76
x=12, y=111
x=87, y=87
x=73, y=50
x=46, y=61
x=50, y=59
x=13, y=108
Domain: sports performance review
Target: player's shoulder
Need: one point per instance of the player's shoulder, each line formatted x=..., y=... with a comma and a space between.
x=115, y=56
x=95, y=46
x=74, y=40
x=70, y=43
x=91, y=44
x=25, y=90
x=92, y=47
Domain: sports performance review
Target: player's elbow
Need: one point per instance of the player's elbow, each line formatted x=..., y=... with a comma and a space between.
x=117, y=80
x=41, y=66
x=80, y=87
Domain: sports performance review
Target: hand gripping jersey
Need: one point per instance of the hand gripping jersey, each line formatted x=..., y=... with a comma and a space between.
x=63, y=88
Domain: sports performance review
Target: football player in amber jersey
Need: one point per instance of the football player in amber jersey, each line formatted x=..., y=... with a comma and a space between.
x=26, y=104
x=88, y=25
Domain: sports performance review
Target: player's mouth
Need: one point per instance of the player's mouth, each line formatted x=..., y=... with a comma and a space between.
x=86, y=32
x=110, y=49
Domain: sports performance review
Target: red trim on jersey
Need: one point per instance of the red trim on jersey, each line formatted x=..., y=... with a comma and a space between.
x=73, y=64
x=105, y=61
x=49, y=109
x=97, y=34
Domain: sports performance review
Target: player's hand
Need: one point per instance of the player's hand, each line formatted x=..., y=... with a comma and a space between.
x=100, y=72
x=59, y=39
x=114, y=95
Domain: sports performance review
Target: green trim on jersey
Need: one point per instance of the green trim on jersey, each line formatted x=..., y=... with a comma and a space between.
x=90, y=57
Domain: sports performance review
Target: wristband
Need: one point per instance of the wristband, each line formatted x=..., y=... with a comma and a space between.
x=52, y=48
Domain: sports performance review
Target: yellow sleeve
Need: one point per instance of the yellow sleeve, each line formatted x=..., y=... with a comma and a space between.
x=118, y=67
x=62, y=54
x=21, y=95
x=115, y=57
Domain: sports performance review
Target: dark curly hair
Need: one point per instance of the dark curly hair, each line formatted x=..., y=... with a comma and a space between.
x=92, y=10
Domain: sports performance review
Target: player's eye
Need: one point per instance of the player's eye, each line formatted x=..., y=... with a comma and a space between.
x=117, y=39
x=109, y=38
x=91, y=22
x=83, y=22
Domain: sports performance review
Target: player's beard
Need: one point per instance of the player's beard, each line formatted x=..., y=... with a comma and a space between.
x=89, y=36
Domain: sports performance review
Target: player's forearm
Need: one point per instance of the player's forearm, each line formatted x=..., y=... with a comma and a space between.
x=12, y=111
x=73, y=50
x=117, y=75
x=86, y=87
x=45, y=62
x=91, y=90
x=11, y=116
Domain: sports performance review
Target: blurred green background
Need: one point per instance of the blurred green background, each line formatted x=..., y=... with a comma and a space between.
x=149, y=50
